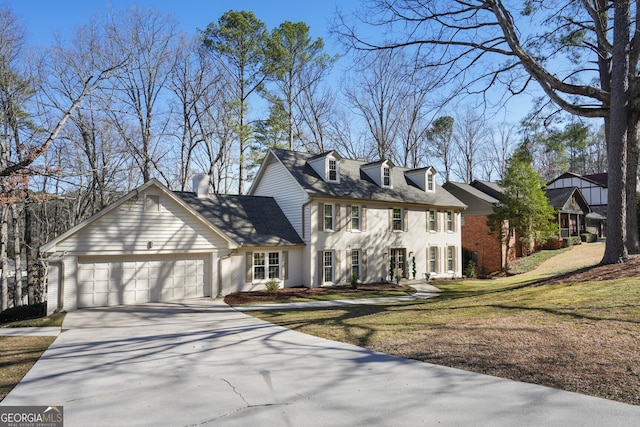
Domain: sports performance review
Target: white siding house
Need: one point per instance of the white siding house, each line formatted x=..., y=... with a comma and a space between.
x=157, y=245
x=369, y=220
x=307, y=221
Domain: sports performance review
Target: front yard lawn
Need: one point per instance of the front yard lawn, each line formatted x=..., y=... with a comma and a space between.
x=17, y=356
x=574, y=334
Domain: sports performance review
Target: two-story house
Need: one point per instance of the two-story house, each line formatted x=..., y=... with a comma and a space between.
x=307, y=221
x=373, y=220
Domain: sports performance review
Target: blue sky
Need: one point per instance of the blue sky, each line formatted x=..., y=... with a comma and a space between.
x=43, y=18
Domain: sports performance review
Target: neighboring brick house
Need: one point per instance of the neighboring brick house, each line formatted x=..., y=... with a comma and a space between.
x=488, y=253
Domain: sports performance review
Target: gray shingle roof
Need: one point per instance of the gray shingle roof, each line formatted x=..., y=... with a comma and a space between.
x=558, y=198
x=356, y=185
x=248, y=220
x=473, y=191
x=493, y=189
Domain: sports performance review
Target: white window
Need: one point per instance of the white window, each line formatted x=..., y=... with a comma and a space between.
x=433, y=259
x=451, y=258
x=430, y=182
x=386, y=177
x=355, y=263
x=450, y=221
x=152, y=203
x=355, y=218
x=328, y=217
x=327, y=271
x=266, y=265
x=432, y=220
x=397, y=219
x=333, y=170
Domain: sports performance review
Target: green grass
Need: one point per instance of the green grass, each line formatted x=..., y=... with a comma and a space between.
x=528, y=263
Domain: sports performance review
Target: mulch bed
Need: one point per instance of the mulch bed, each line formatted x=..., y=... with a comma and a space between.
x=254, y=297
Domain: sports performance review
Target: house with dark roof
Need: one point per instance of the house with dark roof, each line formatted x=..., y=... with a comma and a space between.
x=374, y=220
x=594, y=189
x=571, y=210
x=481, y=244
x=310, y=220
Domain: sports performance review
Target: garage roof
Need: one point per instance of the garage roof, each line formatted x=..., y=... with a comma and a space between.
x=248, y=220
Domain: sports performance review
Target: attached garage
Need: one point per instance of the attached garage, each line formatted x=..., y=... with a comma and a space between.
x=106, y=281
x=157, y=245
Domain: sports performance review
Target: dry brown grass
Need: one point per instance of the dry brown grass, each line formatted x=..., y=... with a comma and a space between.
x=577, y=332
x=17, y=356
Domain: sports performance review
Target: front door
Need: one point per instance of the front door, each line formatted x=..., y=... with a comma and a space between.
x=398, y=257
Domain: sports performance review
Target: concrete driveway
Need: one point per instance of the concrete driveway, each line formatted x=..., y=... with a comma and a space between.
x=200, y=362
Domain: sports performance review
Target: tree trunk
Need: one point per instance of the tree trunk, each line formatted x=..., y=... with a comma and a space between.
x=4, y=259
x=616, y=245
x=633, y=243
x=31, y=252
x=17, y=283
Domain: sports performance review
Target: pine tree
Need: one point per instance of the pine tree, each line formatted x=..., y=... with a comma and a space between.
x=523, y=209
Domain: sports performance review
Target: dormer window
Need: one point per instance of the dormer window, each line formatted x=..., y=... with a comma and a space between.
x=327, y=166
x=333, y=170
x=386, y=176
x=430, y=182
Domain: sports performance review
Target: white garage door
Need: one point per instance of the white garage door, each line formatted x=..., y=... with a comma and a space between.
x=113, y=281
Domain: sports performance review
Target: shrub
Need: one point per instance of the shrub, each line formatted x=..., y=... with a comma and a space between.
x=470, y=271
x=570, y=241
x=272, y=286
x=23, y=312
x=588, y=237
x=354, y=281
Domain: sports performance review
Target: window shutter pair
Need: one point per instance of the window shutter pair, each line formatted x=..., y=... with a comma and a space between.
x=248, y=265
x=336, y=217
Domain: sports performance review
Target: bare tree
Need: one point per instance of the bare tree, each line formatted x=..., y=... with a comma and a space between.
x=470, y=135
x=378, y=95
x=583, y=55
x=500, y=146
x=146, y=38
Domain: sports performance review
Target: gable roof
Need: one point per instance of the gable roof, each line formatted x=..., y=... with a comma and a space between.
x=558, y=198
x=599, y=179
x=356, y=185
x=472, y=191
x=51, y=245
x=492, y=189
x=249, y=220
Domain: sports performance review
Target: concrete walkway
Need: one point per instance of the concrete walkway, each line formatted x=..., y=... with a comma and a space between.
x=201, y=362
